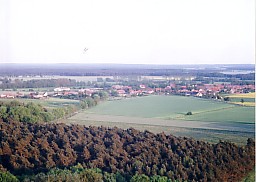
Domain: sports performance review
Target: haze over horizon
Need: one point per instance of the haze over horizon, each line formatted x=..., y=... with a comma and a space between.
x=128, y=32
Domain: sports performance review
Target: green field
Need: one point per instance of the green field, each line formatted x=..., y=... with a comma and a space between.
x=210, y=120
x=176, y=107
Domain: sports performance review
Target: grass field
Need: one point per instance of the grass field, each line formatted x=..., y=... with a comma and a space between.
x=156, y=106
x=175, y=108
x=210, y=120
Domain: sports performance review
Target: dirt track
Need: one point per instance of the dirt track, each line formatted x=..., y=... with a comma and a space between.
x=80, y=117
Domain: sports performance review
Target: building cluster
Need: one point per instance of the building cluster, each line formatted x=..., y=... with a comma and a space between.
x=201, y=90
x=197, y=90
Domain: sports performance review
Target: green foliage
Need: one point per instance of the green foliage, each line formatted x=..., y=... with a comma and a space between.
x=77, y=168
x=140, y=178
x=31, y=112
x=157, y=178
x=83, y=104
x=92, y=101
x=189, y=113
x=74, y=174
x=40, y=83
x=91, y=175
x=78, y=173
x=7, y=177
x=103, y=95
x=114, y=93
x=250, y=177
x=226, y=99
x=47, y=116
x=120, y=178
x=3, y=112
x=58, y=113
x=109, y=177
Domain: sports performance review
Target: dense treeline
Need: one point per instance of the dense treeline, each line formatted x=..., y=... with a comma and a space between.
x=39, y=83
x=32, y=112
x=27, y=148
x=78, y=173
x=115, y=69
x=89, y=69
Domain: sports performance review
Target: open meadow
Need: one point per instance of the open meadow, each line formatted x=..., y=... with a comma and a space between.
x=210, y=120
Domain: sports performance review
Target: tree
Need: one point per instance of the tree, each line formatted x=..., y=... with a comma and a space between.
x=7, y=177
x=157, y=178
x=3, y=112
x=91, y=175
x=226, y=99
x=103, y=95
x=109, y=177
x=96, y=98
x=189, y=113
x=90, y=102
x=83, y=104
x=114, y=93
x=120, y=178
x=140, y=178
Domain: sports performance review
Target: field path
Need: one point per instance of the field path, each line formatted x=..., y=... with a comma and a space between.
x=80, y=117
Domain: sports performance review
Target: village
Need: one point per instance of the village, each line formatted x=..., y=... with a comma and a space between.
x=211, y=91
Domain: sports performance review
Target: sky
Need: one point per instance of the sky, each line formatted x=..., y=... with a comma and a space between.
x=128, y=31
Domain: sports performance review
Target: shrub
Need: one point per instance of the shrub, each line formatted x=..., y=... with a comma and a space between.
x=189, y=113
x=7, y=177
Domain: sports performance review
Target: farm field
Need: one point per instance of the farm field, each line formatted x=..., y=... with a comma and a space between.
x=210, y=120
x=248, y=99
x=247, y=95
x=175, y=108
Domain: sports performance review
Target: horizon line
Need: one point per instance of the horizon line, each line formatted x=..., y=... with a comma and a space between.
x=134, y=63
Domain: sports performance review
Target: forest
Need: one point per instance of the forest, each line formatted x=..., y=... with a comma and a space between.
x=119, y=69
x=36, y=149
x=43, y=83
x=33, y=113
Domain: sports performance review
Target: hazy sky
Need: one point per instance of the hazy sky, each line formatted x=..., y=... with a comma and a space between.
x=131, y=31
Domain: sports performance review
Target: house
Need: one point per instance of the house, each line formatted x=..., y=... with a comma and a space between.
x=88, y=92
x=136, y=92
x=150, y=91
x=62, y=89
x=2, y=96
x=117, y=87
x=199, y=94
x=121, y=93
x=8, y=96
x=142, y=86
x=39, y=96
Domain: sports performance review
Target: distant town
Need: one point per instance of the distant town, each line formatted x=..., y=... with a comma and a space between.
x=197, y=90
